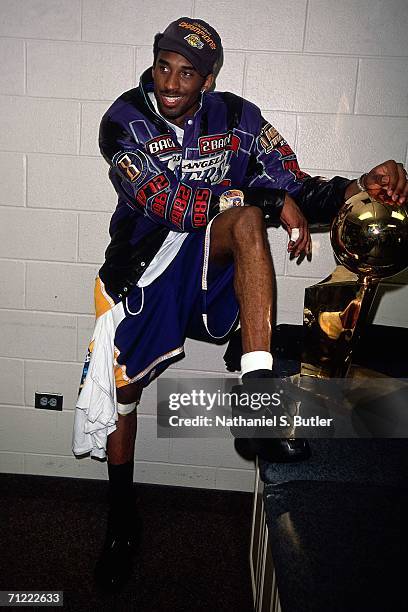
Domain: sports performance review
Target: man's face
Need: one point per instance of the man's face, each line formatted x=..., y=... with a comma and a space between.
x=177, y=86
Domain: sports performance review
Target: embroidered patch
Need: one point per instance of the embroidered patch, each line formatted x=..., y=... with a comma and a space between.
x=231, y=199
x=200, y=207
x=212, y=168
x=162, y=144
x=154, y=186
x=219, y=142
x=180, y=204
x=133, y=165
x=194, y=41
x=269, y=138
x=200, y=30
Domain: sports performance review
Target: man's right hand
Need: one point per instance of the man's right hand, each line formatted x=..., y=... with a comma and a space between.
x=292, y=218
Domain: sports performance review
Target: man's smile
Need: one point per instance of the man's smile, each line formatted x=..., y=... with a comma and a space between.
x=170, y=101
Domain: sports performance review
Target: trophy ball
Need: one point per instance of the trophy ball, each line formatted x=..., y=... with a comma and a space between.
x=370, y=238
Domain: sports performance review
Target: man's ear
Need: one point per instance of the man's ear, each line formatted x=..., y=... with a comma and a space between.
x=153, y=71
x=208, y=83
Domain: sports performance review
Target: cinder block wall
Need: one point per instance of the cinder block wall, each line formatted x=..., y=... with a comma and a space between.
x=331, y=76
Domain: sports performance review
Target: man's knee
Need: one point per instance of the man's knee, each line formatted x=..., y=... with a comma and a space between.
x=125, y=409
x=249, y=215
x=128, y=398
x=241, y=228
x=249, y=226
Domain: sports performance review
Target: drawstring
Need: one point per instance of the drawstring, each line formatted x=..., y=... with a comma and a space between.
x=141, y=306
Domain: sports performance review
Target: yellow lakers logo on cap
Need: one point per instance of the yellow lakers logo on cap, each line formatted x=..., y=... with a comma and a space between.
x=194, y=41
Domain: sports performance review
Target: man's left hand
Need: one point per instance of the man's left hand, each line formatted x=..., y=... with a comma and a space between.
x=387, y=182
x=292, y=218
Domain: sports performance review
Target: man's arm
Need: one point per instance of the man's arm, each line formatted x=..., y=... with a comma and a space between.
x=273, y=165
x=147, y=184
x=319, y=199
x=152, y=189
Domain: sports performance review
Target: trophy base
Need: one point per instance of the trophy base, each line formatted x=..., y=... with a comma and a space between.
x=335, y=311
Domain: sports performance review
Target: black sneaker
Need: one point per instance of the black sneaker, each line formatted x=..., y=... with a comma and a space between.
x=275, y=450
x=114, y=566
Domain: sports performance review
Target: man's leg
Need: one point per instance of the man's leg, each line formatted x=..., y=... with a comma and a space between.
x=114, y=565
x=121, y=443
x=120, y=451
x=239, y=235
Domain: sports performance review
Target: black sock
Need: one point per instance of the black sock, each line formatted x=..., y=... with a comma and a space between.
x=121, y=503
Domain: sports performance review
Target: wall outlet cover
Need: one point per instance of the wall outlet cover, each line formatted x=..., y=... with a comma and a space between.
x=48, y=401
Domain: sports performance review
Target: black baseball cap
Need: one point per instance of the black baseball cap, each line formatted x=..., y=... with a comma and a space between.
x=195, y=39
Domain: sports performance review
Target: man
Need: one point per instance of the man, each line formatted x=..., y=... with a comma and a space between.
x=199, y=176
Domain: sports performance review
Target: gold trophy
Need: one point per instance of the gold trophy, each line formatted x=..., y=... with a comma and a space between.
x=370, y=241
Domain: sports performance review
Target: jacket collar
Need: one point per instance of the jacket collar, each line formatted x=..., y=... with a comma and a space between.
x=143, y=104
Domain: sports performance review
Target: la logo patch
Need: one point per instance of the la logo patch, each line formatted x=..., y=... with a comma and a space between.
x=194, y=41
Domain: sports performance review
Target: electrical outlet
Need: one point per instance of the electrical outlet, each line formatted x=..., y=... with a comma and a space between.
x=48, y=401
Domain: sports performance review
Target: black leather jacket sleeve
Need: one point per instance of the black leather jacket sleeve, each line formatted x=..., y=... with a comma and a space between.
x=321, y=199
x=270, y=201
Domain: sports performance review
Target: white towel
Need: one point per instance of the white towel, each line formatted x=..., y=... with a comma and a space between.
x=96, y=410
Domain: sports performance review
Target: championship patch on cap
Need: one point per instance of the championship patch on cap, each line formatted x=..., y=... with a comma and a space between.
x=194, y=41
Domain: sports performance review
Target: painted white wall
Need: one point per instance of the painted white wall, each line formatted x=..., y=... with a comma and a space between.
x=331, y=76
